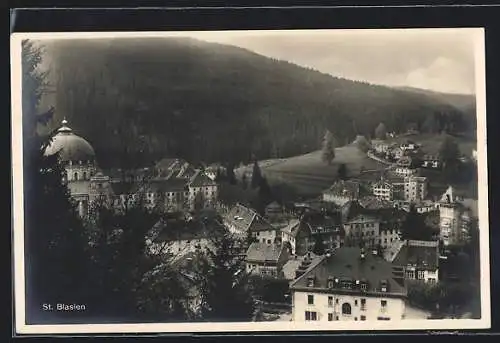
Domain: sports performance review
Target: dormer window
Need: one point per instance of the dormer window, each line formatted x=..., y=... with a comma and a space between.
x=310, y=281
x=364, y=286
x=383, y=286
x=331, y=283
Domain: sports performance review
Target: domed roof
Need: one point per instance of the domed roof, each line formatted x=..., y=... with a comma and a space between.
x=71, y=147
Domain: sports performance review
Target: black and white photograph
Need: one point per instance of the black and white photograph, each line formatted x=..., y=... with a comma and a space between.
x=259, y=180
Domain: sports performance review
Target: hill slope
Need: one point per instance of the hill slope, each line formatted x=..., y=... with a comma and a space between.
x=144, y=99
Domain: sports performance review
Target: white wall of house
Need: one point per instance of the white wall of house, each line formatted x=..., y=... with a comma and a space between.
x=268, y=236
x=331, y=303
x=339, y=200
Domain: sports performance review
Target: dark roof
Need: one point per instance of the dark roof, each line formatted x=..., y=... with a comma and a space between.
x=200, y=179
x=122, y=187
x=262, y=252
x=344, y=188
x=245, y=219
x=346, y=264
x=351, y=209
x=422, y=255
x=318, y=221
x=372, y=202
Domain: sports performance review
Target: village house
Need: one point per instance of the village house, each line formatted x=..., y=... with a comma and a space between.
x=395, y=153
x=375, y=203
x=266, y=259
x=431, y=161
x=404, y=171
x=296, y=237
x=419, y=260
x=453, y=218
x=244, y=221
x=415, y=188
x=325, y=227
x=383, y=190
x=409, y=146
x=380, y=146
x=298, y=265
x=363, y=228
x=341, y=192
x=391, y=220
x=175, y=236
x=349, y=285
x=213, y=170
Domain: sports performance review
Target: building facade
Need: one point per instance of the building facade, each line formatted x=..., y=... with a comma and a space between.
x=419, y=260
x=349, y=285
x=383, y=190
x=415, y=188
x=342, y=192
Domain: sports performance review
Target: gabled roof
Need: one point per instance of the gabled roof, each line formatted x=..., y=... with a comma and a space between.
x=244, y=219
x=292, y=228
x=374, y=203
x=346, y=264
x=420, y=254
x=352, y=209
x=200, y=179
x=363, y=216
x=262, y=252
x=344, y=188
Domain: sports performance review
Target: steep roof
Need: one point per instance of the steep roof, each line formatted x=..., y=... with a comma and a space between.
x=344, y=188
x=420, y=254
x=200, y=179
x=345, y=264
x=262, y=252
x=372, y=202
x=292, y=228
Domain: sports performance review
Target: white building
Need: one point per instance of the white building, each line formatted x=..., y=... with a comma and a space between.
x=451, y=223
x=404, y=171
x=342, y=192
x=266, y=259
x=420, y=260
x=383, y=190
x=415, y=188
x=349, y=285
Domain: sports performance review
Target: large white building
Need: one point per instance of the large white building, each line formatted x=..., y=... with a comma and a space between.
x=349, y=285
x=452, y=218
x=383, y=190
x=415, y=188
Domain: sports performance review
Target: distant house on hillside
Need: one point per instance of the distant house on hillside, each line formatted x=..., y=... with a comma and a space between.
x=380, y=146
x=420, y=260
x=341, y=192
x=431, y=161
x=266, y=259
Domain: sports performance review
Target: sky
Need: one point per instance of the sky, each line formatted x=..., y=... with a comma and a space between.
x=435, y=59
x=441, y=60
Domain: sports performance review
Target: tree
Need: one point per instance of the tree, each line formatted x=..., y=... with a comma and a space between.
x=362, y=143
x=415, y=227
x=231, y=178
x=449, y=152
x=223, y=284
x=342, y=171
x=430, y=125
x=57, y=262
x=244, y=181
x=328, y=150
x=256, y=176
x=319, y=245
x=381, y=131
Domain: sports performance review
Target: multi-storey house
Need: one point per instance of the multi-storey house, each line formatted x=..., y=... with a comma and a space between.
x=349, y=285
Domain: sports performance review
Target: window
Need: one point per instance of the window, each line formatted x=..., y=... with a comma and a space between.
x=330, y=317
x=346, y=309
x=310, y=299
x=362, y=317
x=311, y=315
x=75, y=176
x=383, y=304
x=330, y=301
x=363, y=304
x=421, y=275
x=337, y=301
x=356, y=302
x=310, y=282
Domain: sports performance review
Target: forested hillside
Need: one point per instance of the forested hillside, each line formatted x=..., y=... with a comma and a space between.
x=153, y=97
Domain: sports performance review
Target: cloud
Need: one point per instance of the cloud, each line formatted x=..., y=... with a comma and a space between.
x=443, y=74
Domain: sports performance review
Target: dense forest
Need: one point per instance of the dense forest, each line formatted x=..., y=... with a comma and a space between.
x=158, y=97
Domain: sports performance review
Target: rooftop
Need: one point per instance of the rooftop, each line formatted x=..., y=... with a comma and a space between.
x=347, y=270
x=344, y=188
x=262, y=252
x=421, y=254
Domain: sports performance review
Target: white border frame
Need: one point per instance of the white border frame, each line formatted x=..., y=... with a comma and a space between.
x=18, y=220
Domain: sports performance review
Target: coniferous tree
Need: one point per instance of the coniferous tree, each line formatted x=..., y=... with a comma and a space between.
x=342, y=171
x=449, y=153
x=56, y=258
x=381, y=131
x=328, y=149
x=256, y=176
x=223, y=281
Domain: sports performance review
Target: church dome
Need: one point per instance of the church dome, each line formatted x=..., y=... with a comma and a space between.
x=71, y=147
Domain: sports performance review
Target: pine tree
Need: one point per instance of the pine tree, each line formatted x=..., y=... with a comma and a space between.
x=449, y=153
x=381, y=131
x=56, y=258
x=342, y=171
x=256, y=176
x=223, y=281
x=328, y=150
